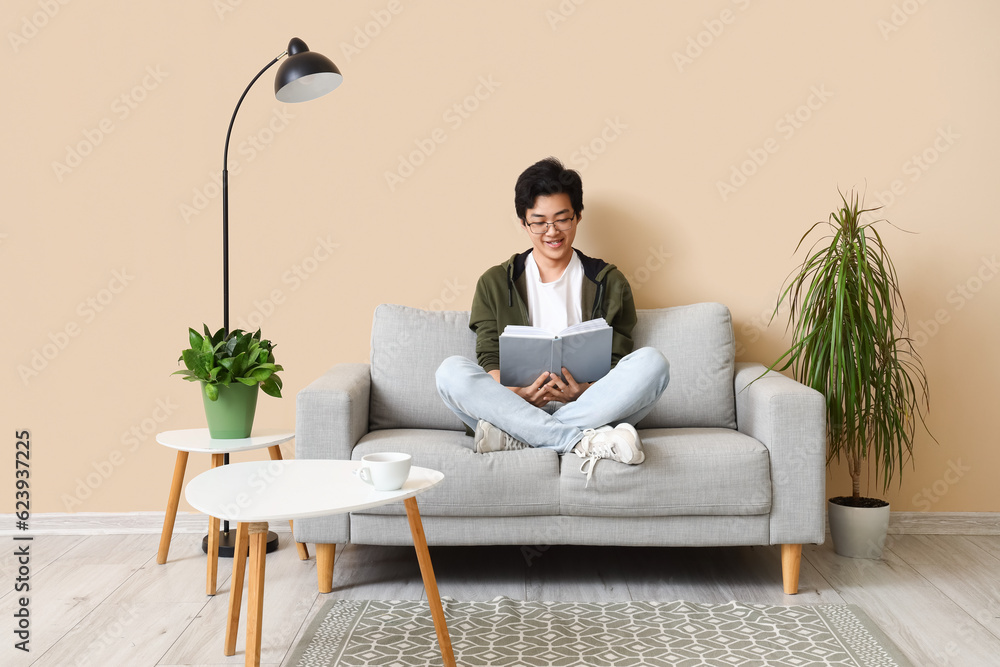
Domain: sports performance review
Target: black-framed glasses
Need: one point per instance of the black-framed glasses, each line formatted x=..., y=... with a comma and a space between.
x=561, y=225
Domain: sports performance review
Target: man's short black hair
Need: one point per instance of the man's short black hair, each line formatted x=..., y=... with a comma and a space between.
x=547, y=177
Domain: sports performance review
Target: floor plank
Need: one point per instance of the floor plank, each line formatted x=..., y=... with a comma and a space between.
x=139, y=621
x=977, y=588
x=65, y=592
x=43, y=550
x=102, y=600
x=929, y=627
x=568, y=573
x=289, y=594
x=364, y=572
x=459, y=572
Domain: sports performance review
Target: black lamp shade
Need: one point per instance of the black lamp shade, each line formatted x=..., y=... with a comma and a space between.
x=305, y=75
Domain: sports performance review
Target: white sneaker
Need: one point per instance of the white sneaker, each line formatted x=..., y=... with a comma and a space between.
x=620, y=443
x=491, y=439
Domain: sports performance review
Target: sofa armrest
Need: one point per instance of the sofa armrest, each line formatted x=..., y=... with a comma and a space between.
x=789, y=419
x=331, y=414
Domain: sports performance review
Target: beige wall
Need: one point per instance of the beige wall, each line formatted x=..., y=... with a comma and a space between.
x=108, y=258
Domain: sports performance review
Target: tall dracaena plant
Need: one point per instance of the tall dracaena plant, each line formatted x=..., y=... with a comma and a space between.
x=851, y=343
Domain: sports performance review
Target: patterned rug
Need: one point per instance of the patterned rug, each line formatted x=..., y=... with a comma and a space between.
x=507, y=632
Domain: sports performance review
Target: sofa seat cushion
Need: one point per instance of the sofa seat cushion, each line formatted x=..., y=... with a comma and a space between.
x=687, y=471
x=518, y=483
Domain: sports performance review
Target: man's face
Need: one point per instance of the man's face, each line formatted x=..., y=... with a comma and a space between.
x=554, y=244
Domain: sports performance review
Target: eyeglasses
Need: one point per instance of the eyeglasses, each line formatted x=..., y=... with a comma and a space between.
x=561, y=225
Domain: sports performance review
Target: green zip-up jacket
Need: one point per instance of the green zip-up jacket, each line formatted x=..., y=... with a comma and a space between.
x=501, y=299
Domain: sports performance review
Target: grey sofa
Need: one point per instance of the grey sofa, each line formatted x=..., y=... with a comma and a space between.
x=727, y=462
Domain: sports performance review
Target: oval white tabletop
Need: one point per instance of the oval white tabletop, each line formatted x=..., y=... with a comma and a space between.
x=294, y=489
x=198, y=440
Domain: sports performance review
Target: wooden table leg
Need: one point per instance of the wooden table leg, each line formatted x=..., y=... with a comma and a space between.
x=275, y=452
x=236, y=587
x=172, y=501
x=212, y=576
x=324, y=566
x=255, y=596
x=430, y=583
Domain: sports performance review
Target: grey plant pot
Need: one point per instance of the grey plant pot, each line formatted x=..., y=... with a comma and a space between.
x=858, y=532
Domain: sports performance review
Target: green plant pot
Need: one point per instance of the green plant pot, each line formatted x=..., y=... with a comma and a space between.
x=231, y=416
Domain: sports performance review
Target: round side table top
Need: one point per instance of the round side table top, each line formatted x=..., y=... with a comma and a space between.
x=198, y=440
x=294, y=489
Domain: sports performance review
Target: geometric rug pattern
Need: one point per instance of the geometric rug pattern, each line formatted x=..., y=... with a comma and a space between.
x=505, y=632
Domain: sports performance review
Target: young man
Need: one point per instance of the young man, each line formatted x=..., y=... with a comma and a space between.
x=553, y=286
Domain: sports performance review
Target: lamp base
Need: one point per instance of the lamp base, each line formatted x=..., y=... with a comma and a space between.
x=227, y=543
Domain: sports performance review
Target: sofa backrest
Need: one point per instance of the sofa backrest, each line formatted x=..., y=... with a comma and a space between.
x=408, y=344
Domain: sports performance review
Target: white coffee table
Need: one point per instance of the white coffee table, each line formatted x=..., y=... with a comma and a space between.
x=199, y=441
x=256, y=492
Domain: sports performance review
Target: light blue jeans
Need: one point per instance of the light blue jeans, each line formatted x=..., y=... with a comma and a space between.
x=626, y=394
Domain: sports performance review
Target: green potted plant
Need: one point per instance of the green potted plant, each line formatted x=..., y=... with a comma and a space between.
x=851, y=343
x=230, y=368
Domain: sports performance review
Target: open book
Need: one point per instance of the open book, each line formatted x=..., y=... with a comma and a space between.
x=584, y=349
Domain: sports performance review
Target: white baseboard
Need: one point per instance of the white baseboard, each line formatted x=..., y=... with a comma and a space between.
x=944, y=523
x=107, y=523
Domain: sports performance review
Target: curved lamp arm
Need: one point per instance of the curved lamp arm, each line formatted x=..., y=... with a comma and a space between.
x=225, y=198
x=304, y=76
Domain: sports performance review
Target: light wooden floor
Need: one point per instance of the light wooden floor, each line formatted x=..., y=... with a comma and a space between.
x=103, y=601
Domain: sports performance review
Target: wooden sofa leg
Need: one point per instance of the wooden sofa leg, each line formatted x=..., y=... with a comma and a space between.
x=791, y=559
x=324, y=566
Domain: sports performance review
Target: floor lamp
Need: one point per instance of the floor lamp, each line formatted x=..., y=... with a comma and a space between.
x=304, y=76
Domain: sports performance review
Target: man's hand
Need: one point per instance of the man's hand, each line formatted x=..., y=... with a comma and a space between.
x=537, y=393
x=566, y=390
x=549, y=387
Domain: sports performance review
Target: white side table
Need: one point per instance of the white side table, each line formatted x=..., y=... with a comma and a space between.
x=199, y=441
x=256, y=492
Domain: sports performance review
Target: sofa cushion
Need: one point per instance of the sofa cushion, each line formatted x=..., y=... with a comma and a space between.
x=408, y=345
x=698, y=342
x=687, y=471
x=516, y=483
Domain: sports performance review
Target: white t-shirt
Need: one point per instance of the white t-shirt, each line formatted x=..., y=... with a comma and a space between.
x=556, y=305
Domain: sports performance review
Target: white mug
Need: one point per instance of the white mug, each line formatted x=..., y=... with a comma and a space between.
x=386, y=471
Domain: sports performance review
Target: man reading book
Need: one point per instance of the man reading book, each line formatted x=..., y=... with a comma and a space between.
x=553, y=286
